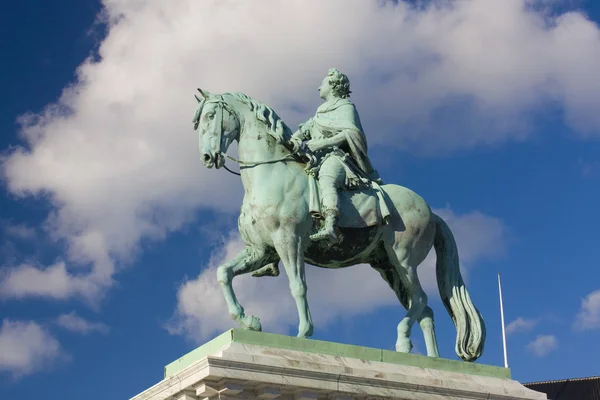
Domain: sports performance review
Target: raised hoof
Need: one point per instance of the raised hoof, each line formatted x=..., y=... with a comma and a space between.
x=251, y=323
x=330, y=236
x=268, y=270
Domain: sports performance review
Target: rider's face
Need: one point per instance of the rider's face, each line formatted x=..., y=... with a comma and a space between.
x=325, y=89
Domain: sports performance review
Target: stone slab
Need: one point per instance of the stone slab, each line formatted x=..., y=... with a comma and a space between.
x=252, y=365
x=335, y=349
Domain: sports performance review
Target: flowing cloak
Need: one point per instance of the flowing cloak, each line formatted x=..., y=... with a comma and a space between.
x=341, y=118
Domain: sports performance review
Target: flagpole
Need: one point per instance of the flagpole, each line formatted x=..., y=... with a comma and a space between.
x=502, y=317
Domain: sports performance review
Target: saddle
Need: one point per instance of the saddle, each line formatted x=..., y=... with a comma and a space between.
x=359, y=207
x=362, y=208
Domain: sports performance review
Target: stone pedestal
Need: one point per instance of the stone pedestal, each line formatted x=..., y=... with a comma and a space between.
x=252, y=365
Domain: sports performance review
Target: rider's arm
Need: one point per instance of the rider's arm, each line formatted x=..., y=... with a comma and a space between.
x=303, y=133
x=347, y=114
x=296, y=140
x=299, y=135
x=336, y=140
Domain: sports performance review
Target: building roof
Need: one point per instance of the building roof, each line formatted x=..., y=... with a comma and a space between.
x=571, y=389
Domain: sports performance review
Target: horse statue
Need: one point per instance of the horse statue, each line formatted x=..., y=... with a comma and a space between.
x=275, y=223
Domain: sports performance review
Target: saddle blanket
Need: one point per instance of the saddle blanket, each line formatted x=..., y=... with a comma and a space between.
x=359, y=208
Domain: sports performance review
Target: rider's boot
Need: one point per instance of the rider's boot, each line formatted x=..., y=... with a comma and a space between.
x=328, y=231
x=330, y=203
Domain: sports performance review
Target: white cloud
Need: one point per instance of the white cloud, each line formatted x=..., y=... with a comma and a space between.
x=521, y=325
x=543, y=345
x=589, y=315
x=52, y=282
x=201, y=310
x=478, y=236
x=26, y=347
x=118, y=161
x=74, y=323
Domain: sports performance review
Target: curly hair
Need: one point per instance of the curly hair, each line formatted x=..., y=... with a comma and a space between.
x=340, y=84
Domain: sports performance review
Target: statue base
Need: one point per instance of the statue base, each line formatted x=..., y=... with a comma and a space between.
x=252, y=365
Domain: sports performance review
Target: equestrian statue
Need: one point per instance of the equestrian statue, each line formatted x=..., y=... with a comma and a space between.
x=314, y=196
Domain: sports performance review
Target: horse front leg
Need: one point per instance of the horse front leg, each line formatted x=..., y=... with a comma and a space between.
x=290, y=248
x=246, y=261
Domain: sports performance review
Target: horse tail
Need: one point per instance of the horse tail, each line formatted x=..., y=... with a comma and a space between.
x=470, y=327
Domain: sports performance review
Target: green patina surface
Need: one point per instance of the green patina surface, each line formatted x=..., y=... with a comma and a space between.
x=333, y=349
x=291, y=182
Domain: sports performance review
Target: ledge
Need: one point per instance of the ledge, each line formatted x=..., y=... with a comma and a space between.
x=241, y=365
x=332, y=349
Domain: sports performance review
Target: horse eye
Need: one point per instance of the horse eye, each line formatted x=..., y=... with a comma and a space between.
x=210, y=116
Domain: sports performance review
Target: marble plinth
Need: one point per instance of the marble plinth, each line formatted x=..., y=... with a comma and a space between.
x=253, y=365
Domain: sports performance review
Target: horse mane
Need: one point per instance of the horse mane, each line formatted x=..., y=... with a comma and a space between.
x=275, y=125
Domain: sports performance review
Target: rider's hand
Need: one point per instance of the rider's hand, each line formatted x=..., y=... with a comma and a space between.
x=296, y=142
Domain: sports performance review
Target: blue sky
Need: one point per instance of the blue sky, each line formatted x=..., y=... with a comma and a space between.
x=110, y=227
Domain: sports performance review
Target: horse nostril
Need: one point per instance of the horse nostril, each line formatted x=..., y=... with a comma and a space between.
x=206, y=157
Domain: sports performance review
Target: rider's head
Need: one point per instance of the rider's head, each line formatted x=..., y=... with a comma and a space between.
x=340, y=84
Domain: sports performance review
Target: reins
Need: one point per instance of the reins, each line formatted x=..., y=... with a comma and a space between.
x=288, y=157
x=244, y=164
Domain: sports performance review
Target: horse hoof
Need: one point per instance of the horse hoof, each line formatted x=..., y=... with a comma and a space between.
x=404, y=346
x=305, y=333
x=251, y=323
x=330, y=238
x=268, y=270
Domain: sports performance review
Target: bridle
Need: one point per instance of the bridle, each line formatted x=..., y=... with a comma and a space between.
x=223, y=105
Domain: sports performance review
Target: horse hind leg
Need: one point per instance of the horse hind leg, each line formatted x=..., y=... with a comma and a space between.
x=402, y=277
x=389, y=274
x=418, y=303
x=428, y=328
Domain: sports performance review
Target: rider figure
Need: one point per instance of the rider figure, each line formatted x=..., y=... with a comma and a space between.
x=336, y=137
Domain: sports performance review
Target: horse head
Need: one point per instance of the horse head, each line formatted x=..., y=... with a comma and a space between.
x=217, y=125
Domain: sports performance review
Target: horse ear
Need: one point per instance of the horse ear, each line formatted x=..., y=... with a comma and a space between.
x=204, y=94
x=198, y=99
